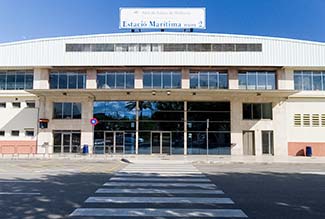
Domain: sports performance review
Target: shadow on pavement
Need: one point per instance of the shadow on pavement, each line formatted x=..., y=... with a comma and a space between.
x=275, y=195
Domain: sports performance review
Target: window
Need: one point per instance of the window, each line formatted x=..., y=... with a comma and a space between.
x=14, y=133
x=257, y=80
x=16, y=80
x=2, y=105
x=29, y=133
x=165, y=47
x=16, y=105
x=160, y=80
x=66, y=110
x=208, y=80
x=309, y=80
x=30, y=104
x=67, y=80
x=254, y=111
x=2, y=133
x=115, y=80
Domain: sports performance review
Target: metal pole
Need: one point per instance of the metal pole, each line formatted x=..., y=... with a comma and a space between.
x=207, y=136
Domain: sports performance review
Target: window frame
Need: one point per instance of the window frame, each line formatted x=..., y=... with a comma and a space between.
x=64, y=116
x=262, y=106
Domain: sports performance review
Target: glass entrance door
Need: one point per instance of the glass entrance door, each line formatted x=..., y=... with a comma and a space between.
x=66, y=142
x=114, y=142
x=160, y=142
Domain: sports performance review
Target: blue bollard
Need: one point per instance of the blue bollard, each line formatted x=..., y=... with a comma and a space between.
x=309, y=151
x=85, y=149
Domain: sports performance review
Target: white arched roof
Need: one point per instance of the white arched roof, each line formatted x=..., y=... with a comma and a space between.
x=50, y=52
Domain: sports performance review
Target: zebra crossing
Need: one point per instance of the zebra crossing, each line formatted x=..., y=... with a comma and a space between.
x=158, y=190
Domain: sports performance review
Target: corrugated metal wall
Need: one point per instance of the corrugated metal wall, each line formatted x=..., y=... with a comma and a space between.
x=51, y=52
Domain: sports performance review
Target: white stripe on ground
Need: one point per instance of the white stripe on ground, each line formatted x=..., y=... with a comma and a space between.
x=121, y=174
x=154, y=212
x=19, y=181
x=159, y=200
x=161, y=191
x=314, y=173
x=152, y=179
x=20, y=193
x=141, y=184
x=162, y=172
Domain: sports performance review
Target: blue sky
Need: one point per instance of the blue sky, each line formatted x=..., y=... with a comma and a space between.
x=30, y=19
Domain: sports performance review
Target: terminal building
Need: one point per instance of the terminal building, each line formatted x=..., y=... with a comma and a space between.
x=170, y=93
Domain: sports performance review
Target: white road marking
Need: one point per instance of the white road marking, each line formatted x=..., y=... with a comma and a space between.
x=159, y=200
x=154, y=212
x=314, y=173
x=20, y=193
x=161, y=191
x=19, y=181
x=146, y=184
x=162, y=172
x=153, y=179
x=122, y=174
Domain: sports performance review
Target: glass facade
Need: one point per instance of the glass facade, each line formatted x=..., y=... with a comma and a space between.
x=67, y=80
x=208, y=80
x=161, y=117
x=16, y=80
x=162, y=79
x=208, y=125
x=117, y=124
x=115, y=80
x=66, y=110
x=309, y=80
x=161, y=127
x=260, y=80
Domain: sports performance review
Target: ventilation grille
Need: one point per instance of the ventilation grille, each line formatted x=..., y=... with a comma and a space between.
x=306, y=120
x=323, y=120
x=315, y=120
x=297, y=120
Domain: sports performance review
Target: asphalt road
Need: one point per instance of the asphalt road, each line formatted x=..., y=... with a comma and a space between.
x=35, y=189
x=273, y=190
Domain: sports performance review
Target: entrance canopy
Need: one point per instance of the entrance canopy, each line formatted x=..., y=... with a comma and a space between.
x=160, y=94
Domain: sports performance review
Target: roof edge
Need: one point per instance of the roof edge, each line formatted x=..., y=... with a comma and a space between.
x=163, y=33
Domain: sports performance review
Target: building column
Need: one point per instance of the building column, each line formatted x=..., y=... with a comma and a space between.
x=233, y=78
x=41, y=78
x=91, y=82
x=87, y=130
x=236, y=139
x=137, y=128
x=185, y=127
x=138, y=78
x=285, y=79
x=185, y=78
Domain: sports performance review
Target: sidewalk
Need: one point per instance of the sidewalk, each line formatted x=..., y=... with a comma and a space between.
x=171, y=158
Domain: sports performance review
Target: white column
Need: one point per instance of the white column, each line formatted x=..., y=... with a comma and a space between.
x=138, y=78
x=41, y=78
x=91, y=82
x=185, y=78
x=285, y=79
x=233, y=78
x=236, y=130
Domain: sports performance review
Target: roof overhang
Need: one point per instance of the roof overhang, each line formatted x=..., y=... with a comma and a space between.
x=160, y=94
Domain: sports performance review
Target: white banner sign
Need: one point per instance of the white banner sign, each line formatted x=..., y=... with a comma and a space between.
x=162, y=18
